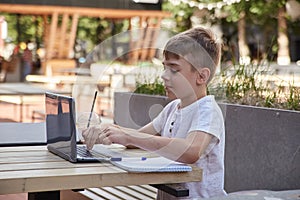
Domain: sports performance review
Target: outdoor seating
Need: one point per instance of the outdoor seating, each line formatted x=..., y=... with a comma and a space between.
x=144, y=192
x=52, y=168
x=13, y=132
x=75, y=48
x=57, y=66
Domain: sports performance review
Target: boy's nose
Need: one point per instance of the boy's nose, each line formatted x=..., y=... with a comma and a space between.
x=165, y=75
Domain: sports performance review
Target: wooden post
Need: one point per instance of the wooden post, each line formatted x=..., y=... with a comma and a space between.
x=72, y=34
x=52, y=36
x=62, y=36
x=138, y=44
x=146, y=42
x=156, y=31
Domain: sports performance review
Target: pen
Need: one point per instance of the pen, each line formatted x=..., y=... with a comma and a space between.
x=128, y=159
x=95, y=96
x=115, y=159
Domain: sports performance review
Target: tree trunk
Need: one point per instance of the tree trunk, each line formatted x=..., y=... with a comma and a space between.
x=283, y=57
x=18, y=27
x=243, y=47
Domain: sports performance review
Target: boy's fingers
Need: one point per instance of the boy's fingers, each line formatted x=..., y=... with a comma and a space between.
x=101, y=137
x=107, y=141
x=91, y=137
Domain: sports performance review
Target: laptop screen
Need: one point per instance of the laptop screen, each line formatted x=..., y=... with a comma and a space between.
x=60, y=125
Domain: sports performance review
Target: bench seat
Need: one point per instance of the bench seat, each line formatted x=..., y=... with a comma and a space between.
x=140, y=192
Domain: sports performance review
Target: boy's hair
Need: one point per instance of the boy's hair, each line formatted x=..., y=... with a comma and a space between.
x=198, y=46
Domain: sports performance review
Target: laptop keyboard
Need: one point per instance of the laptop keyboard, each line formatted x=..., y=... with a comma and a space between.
x=83, y=152
x=105, y=152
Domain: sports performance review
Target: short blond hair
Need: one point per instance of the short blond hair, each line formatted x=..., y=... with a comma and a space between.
x=198, y=46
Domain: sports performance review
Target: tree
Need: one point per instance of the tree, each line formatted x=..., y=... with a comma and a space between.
x=262, y=12
x=282, y=39
x=181, y=13
x=246, y=14
x=237, y=13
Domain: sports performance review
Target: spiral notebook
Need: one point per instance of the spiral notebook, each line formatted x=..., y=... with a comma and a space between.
x=156, y=164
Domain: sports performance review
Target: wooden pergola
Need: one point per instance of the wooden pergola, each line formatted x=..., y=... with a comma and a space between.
x=59, y=37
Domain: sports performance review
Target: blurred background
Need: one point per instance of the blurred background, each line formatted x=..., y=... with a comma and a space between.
x=251, y=30
x=43, y=42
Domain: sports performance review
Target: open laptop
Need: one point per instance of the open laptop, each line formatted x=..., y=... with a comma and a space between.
x=61, y=132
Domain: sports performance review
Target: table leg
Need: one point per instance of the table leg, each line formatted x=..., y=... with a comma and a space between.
x=49, y=195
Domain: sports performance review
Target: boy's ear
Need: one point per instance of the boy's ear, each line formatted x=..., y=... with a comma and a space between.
x=203, y=76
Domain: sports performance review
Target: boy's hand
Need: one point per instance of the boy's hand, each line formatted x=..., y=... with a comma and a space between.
x=91, y=136
x=105, y=134
x=113, y=134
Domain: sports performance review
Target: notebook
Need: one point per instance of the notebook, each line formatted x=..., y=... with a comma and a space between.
x=155, y=164
x=61, y=132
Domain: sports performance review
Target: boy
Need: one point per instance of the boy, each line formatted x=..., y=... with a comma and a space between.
x=190, y=129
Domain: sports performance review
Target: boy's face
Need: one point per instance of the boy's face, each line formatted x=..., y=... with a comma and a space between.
x=179, y=78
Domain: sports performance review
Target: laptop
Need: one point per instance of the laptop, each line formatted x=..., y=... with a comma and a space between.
x=62, y=138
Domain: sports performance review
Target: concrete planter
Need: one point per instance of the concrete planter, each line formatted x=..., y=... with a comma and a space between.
x=135, y=110
x=262, y=148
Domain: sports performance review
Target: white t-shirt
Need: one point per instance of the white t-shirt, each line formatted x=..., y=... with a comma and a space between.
x=206, y=116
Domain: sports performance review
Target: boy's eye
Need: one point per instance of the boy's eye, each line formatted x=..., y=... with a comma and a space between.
x=174, y=71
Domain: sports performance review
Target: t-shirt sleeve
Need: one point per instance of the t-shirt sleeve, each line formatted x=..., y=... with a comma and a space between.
x=209, y=119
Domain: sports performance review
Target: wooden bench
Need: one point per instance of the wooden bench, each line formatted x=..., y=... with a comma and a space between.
x=141, y=192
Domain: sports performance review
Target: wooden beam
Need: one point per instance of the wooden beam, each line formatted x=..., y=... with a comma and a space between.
x=89, y=12
x=63, y=47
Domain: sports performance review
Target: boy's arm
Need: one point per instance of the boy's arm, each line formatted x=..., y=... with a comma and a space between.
x=149, y=129
x=187, y=150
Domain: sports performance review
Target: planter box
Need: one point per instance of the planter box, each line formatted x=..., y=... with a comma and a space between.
x=262, y=148
x=262, y=145
x=135, y=110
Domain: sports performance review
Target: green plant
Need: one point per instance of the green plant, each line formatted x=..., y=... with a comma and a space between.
x=153, y=88
x=293, y=100
x=250, y=85
x=148, y=80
